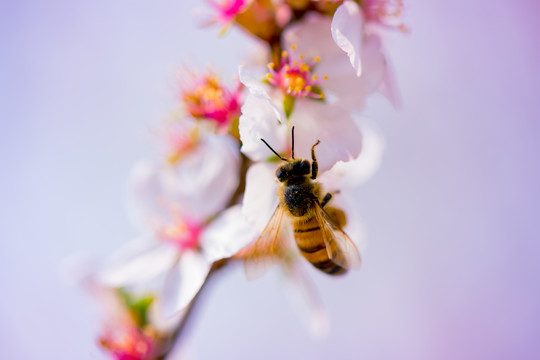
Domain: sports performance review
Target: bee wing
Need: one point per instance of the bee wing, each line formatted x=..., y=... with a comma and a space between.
x=339, y=246
x=269, y=246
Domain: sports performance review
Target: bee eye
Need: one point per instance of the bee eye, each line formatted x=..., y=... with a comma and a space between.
x=281, y=174
x=305, y=167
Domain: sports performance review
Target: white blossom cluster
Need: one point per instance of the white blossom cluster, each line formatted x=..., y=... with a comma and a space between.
x=213, y=190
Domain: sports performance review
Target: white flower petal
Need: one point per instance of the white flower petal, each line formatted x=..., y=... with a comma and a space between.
x=340, y=137
x=145, y=197
x=198, y=186
x=355, y=172
x=347, y=31
x=183, y=282
x=260, y=120
x=313, y=37
x=138, y=262
x=227, y=234
x=390, y=89
x=248, y=77
x=351, y=91
x=260, y=198
x=204, y=180
x=162, y=323
x=347, y=201
x=306, y=300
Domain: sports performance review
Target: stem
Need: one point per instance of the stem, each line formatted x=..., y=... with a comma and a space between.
x=175, y=338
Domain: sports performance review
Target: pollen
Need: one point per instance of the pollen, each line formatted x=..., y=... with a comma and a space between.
x=294, y=76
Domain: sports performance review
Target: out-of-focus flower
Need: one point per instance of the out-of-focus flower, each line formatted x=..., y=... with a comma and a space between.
x=205, y=97
x=128, y=333
x=181, y=203
x=225, y=11
x=178, y=257
x=130, y=328
x=198, y=178
x=258, y=17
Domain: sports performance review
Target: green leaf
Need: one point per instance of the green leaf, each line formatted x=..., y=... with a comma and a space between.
x=137, y=306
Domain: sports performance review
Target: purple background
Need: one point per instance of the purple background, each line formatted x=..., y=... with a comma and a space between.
x=452, y=262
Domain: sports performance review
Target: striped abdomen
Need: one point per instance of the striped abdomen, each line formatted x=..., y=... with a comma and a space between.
x=309, y=239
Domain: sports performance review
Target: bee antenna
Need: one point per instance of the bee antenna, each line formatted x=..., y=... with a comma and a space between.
x=292, y=147
x=274, y=151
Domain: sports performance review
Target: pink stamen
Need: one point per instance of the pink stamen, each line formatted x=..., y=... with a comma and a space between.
x=295, y=77
x=206, y=98
x=127, y=343
x=182, y=232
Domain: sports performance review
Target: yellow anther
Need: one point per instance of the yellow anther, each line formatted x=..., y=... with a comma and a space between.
x=301, y=57
x=314, y=77
x=322, y=95
x=284, y=54
x=293, y=47
x=271, y=65
x=317, y=59
x=308, y=88
x=325, y=77
x=304, y=68
x=295, y=63
x=268, y=76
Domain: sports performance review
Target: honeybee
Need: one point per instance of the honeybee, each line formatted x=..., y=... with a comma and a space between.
x=317, y=228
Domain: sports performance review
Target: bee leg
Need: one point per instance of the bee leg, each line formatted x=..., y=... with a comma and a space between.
x=326, y=199
x=314, y=164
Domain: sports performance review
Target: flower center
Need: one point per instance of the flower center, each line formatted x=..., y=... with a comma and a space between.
x=180, y=232
x=295, y=77
x=127, y=344
x=209, y=99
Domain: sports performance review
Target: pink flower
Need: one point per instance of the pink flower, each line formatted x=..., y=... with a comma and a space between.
x=227, y=10
x=205, y=97
x=128, y=343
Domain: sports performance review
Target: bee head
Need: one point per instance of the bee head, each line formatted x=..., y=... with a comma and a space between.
x=293, y=169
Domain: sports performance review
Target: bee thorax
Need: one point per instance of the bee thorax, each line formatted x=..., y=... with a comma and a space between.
x=298, y=198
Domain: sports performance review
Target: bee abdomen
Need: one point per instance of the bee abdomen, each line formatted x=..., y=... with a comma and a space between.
x=329, y=267
x=309, y=239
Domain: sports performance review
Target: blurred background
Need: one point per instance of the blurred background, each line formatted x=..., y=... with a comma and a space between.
x=452, y=217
